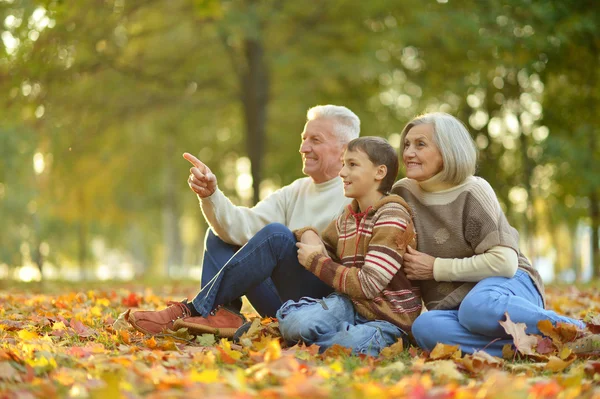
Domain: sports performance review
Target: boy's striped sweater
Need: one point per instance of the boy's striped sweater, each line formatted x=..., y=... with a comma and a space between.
x=365, y=260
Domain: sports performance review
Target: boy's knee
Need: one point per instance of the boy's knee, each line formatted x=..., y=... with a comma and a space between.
x=297, y=321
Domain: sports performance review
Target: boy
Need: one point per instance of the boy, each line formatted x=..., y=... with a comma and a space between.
x=360, y=256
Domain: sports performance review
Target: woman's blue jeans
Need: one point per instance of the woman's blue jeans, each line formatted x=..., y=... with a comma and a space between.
x=266, y=270
x=333, y=320
x=474, y=326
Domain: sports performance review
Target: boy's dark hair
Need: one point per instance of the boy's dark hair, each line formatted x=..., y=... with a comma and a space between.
x=380, y=152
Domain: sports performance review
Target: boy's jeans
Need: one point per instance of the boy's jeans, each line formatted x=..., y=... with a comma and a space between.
x=333, y=320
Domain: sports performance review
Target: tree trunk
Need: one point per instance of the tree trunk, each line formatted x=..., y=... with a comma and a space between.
x=255, y=98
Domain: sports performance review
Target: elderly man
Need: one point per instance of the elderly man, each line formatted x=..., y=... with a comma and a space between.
x=265, y=268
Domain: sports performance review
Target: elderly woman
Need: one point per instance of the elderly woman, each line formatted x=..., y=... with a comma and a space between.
x=469, y=266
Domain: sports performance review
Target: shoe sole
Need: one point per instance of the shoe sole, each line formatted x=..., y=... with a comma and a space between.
x=589, y=344
x=197, y=329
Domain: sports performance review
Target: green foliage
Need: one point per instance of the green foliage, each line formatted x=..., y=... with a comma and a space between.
x=110, y=94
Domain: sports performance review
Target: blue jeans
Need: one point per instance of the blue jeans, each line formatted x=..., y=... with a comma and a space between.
x=333, y=320
x=266, y=270
x=474, y=326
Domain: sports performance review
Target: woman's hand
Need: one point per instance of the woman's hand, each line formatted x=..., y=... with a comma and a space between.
x=418, y=265
x=305, y=250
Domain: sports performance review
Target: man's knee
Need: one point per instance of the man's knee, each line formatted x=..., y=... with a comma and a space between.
x=277, y=228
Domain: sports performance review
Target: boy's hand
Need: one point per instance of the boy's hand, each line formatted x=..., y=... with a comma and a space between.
x=305, y=250
x=418, y=265
x=311, y=238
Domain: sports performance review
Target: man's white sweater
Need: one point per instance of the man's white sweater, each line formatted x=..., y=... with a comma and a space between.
x=302, y=203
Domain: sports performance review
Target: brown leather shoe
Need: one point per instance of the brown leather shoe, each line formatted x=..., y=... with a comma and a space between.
x=221, y=321
x=157, y=321
x=585, y=345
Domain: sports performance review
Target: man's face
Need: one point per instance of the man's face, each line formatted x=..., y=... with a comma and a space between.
x=321, y=150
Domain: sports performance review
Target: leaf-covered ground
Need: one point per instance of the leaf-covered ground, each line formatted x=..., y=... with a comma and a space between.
x=63, y=342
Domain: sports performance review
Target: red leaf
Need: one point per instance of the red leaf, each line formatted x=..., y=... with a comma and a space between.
x=594, y=324
x=81, y=329
x=132, y=300
x=545, y=346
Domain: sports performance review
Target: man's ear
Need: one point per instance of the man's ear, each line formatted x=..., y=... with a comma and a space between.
x=344, y=147
x=381, y=172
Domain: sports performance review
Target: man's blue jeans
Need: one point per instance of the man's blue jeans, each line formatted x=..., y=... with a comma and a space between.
x=266, y=270
x=474, y=326
x=333, y=320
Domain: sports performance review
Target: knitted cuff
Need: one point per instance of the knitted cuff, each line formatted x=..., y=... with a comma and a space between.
x=298, y=233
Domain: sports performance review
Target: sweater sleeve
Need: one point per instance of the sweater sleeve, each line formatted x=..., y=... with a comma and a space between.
x=498, y=261
x=237, y=224
x=382, y=261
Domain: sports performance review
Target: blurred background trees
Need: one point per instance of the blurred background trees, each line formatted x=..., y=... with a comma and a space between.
x=101, y=98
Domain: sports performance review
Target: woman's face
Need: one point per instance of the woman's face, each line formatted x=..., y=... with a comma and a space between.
x=421, y=156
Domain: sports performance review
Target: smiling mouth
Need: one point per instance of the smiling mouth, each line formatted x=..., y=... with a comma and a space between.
x=412, y=164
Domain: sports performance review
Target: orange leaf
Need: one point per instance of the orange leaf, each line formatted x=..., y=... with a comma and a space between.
x=443, y=351
x=150, y=343
x=546, y=328
x=568, y=332
x=392, y=350
x=124, y=334
x=337, y=351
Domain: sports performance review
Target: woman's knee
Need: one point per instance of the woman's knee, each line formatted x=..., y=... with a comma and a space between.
x=482, y=312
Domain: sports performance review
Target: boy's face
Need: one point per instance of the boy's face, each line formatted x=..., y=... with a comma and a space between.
x=361, y=177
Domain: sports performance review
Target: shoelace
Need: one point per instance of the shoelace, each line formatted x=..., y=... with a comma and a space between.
x=183, y=307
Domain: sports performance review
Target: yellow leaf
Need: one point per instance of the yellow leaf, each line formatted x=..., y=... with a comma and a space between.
x=59, y=326
x=103, y=302
x=337, y=366
x=225, y=345
x=273, y=351
x=207, y=376
x=27, y=335
x=556, y=364
x=564, y=353
x=96, y=311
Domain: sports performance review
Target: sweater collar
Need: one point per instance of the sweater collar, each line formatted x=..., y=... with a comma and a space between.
x=353, y=206
x=435, y=184
x=328, y=184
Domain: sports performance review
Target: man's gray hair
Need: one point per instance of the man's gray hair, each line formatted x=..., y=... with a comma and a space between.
x=347, y=124
x=458, y=149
